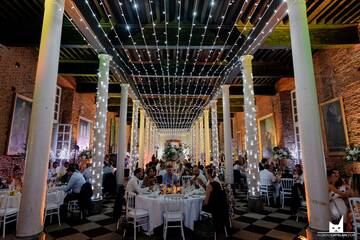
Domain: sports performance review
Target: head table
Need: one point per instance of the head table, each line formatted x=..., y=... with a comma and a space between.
x=155, y=204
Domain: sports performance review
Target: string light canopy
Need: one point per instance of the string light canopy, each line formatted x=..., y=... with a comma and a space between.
x=176, y=54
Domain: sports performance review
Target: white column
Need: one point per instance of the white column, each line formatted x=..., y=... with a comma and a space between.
x=207, y=136
x=214, y=134
x=229, y=175
x=202, y=140
x=309, y=120
x=252, y=150
x=100, y=125
x=120, y=161
x=31, y=215
x=142, y=139
x=147, y=140
x=134, y=136
x=197, y=142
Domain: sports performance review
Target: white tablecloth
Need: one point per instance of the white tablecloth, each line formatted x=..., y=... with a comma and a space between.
x=14, y=201
x=156, y=207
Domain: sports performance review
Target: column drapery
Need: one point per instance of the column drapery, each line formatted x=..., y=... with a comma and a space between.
x=122, y=147
x=229, y=175
x=134, y=137
x=214, y=135
x=100, y=125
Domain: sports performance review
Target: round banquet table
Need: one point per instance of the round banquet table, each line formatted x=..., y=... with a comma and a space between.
x=156, y=207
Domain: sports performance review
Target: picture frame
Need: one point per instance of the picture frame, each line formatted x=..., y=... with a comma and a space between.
x=334, y=128
x=267, y=135
x=20, y=124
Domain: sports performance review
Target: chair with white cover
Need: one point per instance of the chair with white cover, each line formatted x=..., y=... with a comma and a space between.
x=8, y=213
x=138, y=217
x=174, y=212
x=355, y=211
x=286, y=189
x=52, y=206
x=267, y=189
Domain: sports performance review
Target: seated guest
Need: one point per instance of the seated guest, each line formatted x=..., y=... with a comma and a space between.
x=63, y=172
x=262, y=164
x=337, y=198
x=162, y=170
x=236, y=166
x=74, y=185
x=298, y=174
x=108, y=168
x=169, y=178
x=199, y=178
x=134, y=184
x=87, y=172
x=286, y=173
x=52, y=170
x=267, y=175
x=150, y=178
x=215, y=201
x=180, y=169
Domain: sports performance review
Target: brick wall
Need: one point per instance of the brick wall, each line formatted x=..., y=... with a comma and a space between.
x=17, y=75
x=337, y=73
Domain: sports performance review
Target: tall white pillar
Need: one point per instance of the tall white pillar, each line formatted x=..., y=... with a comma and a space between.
x=197, y=141
x=207, y=137
x=31, y=214
x=229, y=174
x=252, y=151
x=134, y=137
x=202, y=141
x=100, y=125
x=122, y=148
x=309, y=121
x=147, y=140
x=214, y=134
x=142, y=139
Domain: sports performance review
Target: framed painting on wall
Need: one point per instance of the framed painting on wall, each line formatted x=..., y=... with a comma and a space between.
x=267, y=135
x=334, y=126
x=20, y=123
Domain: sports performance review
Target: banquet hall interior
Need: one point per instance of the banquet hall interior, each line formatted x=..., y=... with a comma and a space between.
x=180, y=119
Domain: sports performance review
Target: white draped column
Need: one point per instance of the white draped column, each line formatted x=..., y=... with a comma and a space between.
x=252, y=150
x=229, y=175
x=207, y=137
x=214, y=135
x=309, y=121
x=31, y=214
x=197, y=142
x=134, y=137
x=147, y=155
x=120, y=161
x=142, y=139
x=202, y=140
x=100, y=125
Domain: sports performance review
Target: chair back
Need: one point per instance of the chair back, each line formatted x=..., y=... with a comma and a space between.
x=355, y=210
x=173, y=203
x=287, y=184
x=53, y=197
x=130, y=201
x=4, y=197
x=266, y=185
x=185, y=180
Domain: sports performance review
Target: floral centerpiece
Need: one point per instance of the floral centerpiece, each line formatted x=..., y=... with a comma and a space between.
x=86, y=154
x=352, y=159
x=173, y=153
x=283, y=157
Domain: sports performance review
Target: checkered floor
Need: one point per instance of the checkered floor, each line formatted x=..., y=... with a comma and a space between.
x=271, y=223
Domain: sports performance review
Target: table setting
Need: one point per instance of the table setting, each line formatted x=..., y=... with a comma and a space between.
x=153, y=200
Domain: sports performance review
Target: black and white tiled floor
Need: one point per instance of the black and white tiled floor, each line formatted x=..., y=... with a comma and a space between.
x=271, y=223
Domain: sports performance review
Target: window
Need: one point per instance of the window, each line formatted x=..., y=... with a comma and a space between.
x=57, y=104
x=296, y=127
x=63, y=141
x=83, y=138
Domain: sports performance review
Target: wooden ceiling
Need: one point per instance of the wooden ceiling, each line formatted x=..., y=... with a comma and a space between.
x=162, y=73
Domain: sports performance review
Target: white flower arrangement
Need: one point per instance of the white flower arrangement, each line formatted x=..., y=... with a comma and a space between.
x=281, y=153
x=352, y=153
